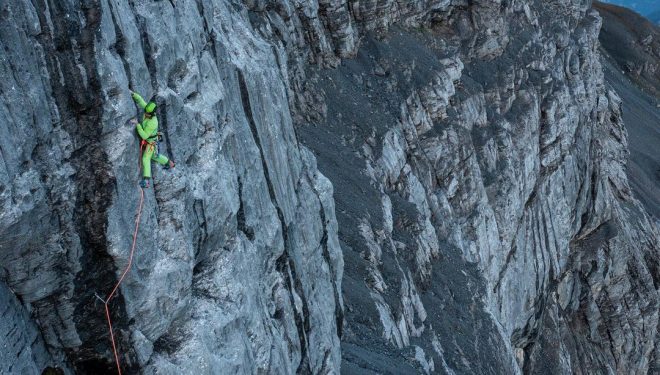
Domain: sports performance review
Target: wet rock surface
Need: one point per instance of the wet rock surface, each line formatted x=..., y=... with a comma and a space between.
x=430, y=186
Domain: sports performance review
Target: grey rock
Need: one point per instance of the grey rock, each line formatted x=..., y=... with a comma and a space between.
x=238, y=266
x=631, y=42
x=470, y=211
x=513, y=154
x=23, y=349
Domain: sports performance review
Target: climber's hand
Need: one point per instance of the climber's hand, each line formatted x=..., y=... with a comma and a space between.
x=133, y=121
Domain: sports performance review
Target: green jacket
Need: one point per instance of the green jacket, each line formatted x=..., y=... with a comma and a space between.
x=148, y=128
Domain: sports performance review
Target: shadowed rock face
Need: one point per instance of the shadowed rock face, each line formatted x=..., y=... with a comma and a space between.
x=491, y=135
x=631, y=51
x=475, y=162
x=23, y=350
x=632, y=43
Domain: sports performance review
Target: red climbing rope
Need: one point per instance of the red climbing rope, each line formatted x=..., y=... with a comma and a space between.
x=143, y=145
x=128, y=268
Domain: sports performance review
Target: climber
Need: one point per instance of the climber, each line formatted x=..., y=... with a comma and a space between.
x=148, y=132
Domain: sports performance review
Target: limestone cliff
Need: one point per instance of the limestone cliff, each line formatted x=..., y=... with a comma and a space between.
x=469, y=213
x=238, y=266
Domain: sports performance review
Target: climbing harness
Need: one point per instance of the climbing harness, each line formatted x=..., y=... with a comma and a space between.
x=106, y=301
x=144, y=145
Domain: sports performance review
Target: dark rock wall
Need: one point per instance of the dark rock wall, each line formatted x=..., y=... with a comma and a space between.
x=632, y=43
x=630, y=47
x=23, y=351
x=477, y=160
x=490, y=132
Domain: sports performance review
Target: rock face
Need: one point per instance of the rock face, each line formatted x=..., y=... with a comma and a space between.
x=494, y=137
x=640, y=107
x=23, y=350
x=238, y=265
x=475, y=160
x=631, y=43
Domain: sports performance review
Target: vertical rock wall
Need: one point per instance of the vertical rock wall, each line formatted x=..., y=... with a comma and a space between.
x=237, y=267
x=22, y=350
x=475, y=156
x=490, y=133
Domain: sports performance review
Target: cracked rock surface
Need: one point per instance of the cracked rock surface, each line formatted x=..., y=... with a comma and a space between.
x=238, y=266
x=493, y=142
x=423, y=186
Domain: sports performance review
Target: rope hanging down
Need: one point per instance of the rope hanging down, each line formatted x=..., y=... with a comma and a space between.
x=114, y=290
x=123, y=275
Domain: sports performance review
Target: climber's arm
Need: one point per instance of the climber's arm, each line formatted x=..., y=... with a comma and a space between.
x=138, y=99
x=142, y=132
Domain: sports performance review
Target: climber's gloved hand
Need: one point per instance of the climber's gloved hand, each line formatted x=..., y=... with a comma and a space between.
x=144, y=183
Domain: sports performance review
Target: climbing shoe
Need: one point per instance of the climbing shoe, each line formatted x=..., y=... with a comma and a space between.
x=144, y=183
x=169, y=165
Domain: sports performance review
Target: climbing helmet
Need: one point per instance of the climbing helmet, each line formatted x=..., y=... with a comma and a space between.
x=150, y=108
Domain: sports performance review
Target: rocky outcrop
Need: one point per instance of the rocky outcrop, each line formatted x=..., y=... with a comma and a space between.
x=494, y=136
x=476, y=187
x=23, y=350
x=238, y=265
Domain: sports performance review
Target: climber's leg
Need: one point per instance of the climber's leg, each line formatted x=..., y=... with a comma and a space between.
x=163, y=160
x=147, y=155
x=160, y=159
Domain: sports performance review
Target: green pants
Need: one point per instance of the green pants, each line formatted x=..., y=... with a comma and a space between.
x=150, y=153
